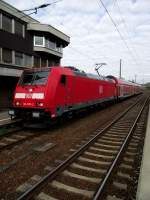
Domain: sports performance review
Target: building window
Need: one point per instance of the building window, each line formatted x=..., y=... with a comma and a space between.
x=59, y=48
x=18, y=28
x=19, y=58
x=43, y=62
x=7, y=55
x=23, y=30
x=27, y=61
x=6, y=23
x=0, y=20
x=50, y=63
x=50, y=45
x=39, y=41
x=45, y=42
x=57, y=63
x=0, y=54
x=36, y=62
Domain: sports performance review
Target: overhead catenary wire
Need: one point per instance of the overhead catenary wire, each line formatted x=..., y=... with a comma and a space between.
x=83, y=54
x=125, y=27
x=74, y=49
x=43, y=6
x=87, y=56
x=117, y=29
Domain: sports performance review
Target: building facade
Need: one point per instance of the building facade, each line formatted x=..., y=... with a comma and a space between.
x=25, y=43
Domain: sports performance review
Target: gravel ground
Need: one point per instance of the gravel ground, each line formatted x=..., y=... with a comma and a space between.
x=64, y=137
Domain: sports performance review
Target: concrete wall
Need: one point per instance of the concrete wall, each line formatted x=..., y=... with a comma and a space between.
x=7, y=87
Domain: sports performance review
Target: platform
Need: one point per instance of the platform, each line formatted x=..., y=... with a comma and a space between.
x=4, y=117
x=143, y=192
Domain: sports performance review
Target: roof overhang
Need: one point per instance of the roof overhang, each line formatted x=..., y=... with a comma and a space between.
x=15, y=12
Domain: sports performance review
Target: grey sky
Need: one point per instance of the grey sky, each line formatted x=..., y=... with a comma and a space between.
x=94, y=39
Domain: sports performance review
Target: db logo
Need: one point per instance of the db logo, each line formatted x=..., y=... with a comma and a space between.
x=28, y=96
x=100, y=89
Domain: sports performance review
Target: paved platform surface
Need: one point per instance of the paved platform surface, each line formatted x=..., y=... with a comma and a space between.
x=143, y=192
x=4, y=117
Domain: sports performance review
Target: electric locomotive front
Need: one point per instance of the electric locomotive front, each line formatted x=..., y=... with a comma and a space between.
x=40, y=93
x=30, y=93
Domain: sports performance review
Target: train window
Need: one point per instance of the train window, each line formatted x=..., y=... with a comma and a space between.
x=34, y=78
x=26, y=79
x=63, y=79
x=40, y=78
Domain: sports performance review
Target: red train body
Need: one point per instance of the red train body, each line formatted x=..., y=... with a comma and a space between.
x=51, y=92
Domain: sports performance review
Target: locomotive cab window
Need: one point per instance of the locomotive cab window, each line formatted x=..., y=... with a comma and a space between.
x=63, y=80
x=34, y=78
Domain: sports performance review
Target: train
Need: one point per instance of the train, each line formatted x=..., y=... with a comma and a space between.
x=48, y=93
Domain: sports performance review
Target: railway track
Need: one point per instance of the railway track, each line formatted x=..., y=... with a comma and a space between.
x=10, y=126
x=13, y=133
x=124, y=180
x=9, y=133
x=97, y=168
x=10, y=141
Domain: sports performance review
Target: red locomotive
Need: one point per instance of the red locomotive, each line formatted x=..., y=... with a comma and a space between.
x=47, y=93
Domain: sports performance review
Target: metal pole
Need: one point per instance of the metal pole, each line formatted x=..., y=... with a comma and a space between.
x=135, y=78
x=120, y=69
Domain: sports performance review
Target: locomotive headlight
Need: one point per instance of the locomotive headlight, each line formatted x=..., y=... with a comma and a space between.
x=38, y=96
x=39, y=104
x=17, y=103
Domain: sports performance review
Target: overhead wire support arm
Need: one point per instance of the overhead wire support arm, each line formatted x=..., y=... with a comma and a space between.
x=41, y=6
x=98, y=66
x=35, y=9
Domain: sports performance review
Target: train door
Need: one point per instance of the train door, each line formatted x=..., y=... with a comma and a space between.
x=69, y=90
x=66, y=90
x=121, y=90
x=118, y=91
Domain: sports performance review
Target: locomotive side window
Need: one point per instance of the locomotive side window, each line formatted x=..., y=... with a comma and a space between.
x=63, y=80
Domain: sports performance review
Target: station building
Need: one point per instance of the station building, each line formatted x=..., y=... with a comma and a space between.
x=25, y=43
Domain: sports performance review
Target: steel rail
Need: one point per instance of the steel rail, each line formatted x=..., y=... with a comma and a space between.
x=8, y=146
x=51, y=175
x=6, y=127
x=28, y=137
x=104, y=182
